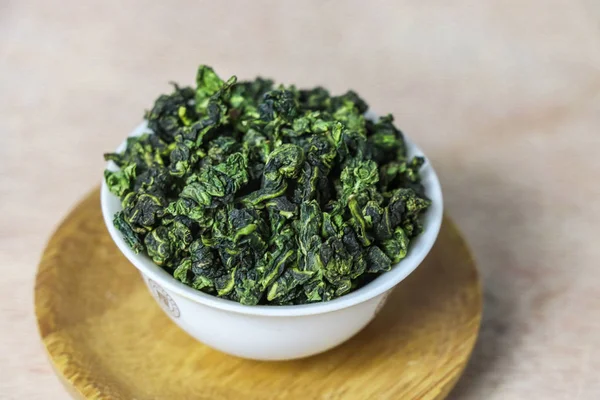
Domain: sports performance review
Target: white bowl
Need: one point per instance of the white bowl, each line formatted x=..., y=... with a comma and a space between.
x=276, y=332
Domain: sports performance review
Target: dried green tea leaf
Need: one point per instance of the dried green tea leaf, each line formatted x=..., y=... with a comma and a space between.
x=120, y=182
x=265, y=194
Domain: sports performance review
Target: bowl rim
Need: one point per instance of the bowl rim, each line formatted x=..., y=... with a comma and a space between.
x=418, y=250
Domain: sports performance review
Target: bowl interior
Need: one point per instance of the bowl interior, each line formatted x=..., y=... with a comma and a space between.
x=419, y=248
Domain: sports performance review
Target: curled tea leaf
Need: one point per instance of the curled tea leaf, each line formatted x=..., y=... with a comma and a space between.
x=120, y=182
x=266, y=194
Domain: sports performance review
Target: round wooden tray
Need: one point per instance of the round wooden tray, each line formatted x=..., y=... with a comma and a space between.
x=107, y=338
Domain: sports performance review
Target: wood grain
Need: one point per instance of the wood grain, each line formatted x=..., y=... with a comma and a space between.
x=107, y=338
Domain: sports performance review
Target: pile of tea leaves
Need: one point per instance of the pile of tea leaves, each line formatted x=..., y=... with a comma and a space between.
x=266, y=194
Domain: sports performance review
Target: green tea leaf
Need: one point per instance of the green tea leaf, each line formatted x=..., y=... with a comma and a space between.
x=267, y=194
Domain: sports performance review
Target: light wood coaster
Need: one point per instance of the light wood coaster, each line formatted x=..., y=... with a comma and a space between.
x=108, y=339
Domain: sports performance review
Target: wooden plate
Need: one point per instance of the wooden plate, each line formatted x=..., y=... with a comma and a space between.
x=108, y=339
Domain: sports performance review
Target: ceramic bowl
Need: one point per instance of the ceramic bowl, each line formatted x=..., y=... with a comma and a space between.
x=276, y=332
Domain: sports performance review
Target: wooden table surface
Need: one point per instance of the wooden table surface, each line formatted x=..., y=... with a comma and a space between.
x=504, y=96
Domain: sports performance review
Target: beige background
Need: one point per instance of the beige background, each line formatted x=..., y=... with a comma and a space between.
x=504, y=96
